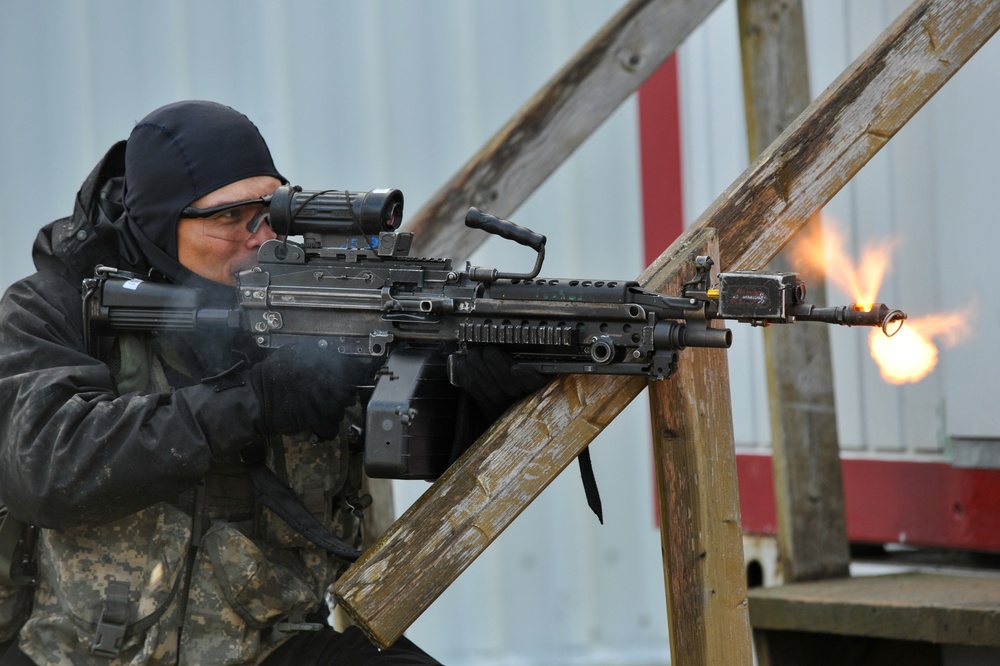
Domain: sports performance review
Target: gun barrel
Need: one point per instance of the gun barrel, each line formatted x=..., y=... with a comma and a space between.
x=672, y=336
x=849, y=315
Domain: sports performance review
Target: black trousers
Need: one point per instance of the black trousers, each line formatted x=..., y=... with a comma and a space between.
x=325, y=647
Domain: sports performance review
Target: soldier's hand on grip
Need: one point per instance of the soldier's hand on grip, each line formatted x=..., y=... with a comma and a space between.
x=306, y=387
x=490, y=377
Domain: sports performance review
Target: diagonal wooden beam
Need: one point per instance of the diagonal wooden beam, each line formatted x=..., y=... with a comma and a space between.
x=479, y=496
x=553, y=123
x=544, y=132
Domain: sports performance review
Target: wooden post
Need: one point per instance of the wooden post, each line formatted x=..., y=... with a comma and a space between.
x=809, y=495
x=699, y=505
x=465, y=510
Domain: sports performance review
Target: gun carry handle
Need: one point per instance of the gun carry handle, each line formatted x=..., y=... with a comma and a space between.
x=477, y=219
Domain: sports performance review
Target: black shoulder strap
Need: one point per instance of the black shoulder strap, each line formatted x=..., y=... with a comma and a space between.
x=17, y=546
x=282, y=500
x=590, y=484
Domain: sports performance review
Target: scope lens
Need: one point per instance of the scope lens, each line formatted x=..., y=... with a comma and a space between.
x=394, y=216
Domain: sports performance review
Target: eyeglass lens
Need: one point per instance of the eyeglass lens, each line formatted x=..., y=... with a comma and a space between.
x=236, y=224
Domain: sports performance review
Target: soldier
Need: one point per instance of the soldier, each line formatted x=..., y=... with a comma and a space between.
x=132, y=458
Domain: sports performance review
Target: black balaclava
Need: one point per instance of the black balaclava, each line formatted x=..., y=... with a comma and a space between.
x=176, y=155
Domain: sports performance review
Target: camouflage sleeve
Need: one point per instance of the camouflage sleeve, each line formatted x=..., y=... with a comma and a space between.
x=73, y=451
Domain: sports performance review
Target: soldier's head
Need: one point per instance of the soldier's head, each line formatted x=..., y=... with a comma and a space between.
x=186, y=165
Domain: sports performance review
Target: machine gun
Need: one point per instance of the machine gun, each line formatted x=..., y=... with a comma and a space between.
x=351, y=283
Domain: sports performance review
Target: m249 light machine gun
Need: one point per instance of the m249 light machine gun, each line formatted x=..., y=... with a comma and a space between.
x=351, y=283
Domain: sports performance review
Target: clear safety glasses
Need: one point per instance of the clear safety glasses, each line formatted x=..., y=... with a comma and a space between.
x=236, y=221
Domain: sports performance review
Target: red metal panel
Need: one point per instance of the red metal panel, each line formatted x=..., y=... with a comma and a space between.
x=660, y=159
x=930, y=504
x=660, y=163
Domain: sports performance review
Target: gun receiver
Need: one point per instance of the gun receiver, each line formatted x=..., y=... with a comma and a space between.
x=351, y=283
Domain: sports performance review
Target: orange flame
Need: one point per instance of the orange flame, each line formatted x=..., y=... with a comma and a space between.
x=819, y=247
x=909, y=355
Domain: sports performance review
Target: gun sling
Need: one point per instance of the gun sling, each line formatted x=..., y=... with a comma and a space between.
x=279, y=498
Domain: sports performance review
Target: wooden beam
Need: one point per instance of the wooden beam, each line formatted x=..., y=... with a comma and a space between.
x=466, y=509
x=697, y=492
x=553, y=123
x=930, y=607
x=775, y=68
x=809, y=495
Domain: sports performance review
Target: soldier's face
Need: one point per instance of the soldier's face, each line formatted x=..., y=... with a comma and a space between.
x=219, y=247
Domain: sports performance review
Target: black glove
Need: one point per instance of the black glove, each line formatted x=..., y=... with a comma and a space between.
x=305, y=387
x=490, y=384
x=488, y=375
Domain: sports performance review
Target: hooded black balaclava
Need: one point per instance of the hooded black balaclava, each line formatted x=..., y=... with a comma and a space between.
x=176, y=155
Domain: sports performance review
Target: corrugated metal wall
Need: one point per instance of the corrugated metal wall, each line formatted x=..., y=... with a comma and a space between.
x=354, y=94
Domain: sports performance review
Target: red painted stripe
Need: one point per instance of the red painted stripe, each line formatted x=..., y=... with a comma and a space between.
x=660, y=160
x=930, y=504
x=660, y=163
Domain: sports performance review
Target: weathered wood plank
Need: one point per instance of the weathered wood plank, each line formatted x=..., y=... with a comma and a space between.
x=444, y=531
x=937, y=608
x=697, y=492
x=461, y=513
x=553, y=123
x=809, y=495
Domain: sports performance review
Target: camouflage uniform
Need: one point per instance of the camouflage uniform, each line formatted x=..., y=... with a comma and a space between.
x=150, y=525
